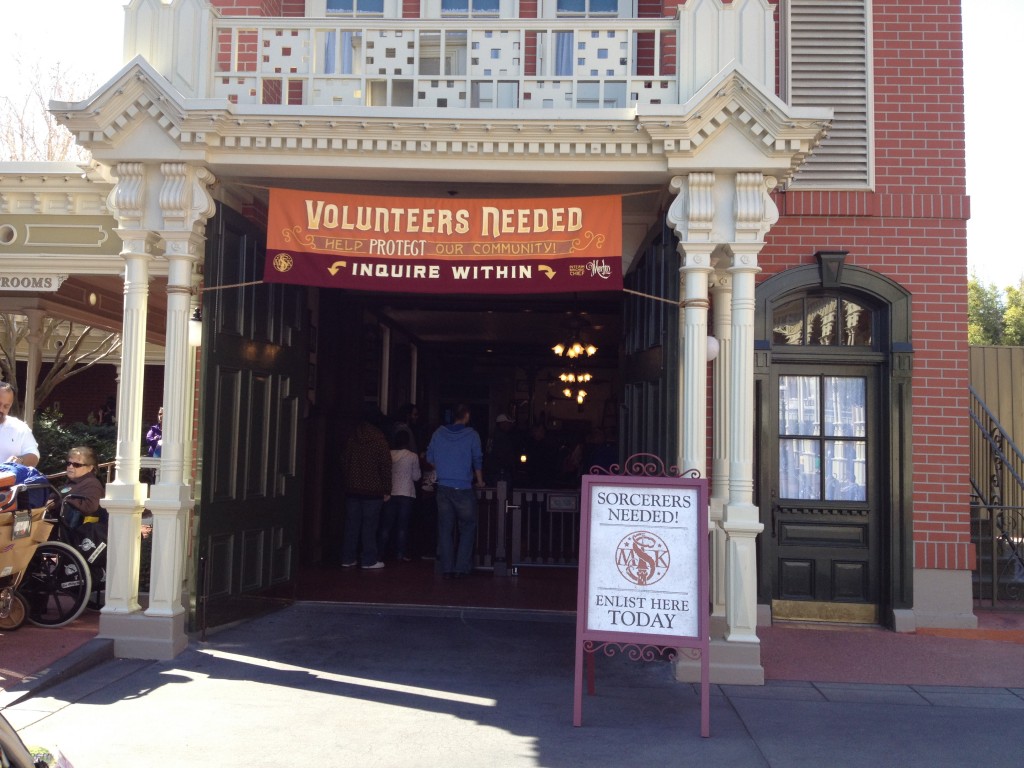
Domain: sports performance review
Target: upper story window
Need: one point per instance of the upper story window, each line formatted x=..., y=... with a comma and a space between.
x=470, y=7
x=588, y=7
x=355, y=7
x=554, y=9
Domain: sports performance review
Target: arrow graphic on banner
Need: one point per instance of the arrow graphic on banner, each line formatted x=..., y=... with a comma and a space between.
x=546, y=270
x=336, y=267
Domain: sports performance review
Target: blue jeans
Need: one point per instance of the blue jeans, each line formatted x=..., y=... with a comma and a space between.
x=456, y=509
x=394, y=526
x=362, y=516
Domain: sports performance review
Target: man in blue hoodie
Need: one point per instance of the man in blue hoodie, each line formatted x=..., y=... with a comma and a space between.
x=458, y=460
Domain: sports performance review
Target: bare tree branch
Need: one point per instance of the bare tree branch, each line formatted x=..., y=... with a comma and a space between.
x=75, y=352
x=28, y=132
x=69, y=361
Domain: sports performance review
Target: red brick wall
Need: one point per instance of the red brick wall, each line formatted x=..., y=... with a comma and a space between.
x=912, y=228
x=245, y=7
x=528, y=9
x=82, y=393
x=88, y=390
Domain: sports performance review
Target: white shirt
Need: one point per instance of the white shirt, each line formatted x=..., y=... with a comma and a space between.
x=16, y=439
x=405, y=471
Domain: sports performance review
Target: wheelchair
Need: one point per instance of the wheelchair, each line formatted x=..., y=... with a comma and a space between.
x=66, y=567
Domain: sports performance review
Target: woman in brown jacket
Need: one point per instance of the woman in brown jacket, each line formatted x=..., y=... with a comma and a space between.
x=366, y=471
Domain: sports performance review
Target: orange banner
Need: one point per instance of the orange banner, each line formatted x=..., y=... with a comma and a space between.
x=442, y=245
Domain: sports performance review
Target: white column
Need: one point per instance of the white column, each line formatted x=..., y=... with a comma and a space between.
x=755, y=213
x=35, y=359
x=721, y=293
x=692, y=216
x=186, y=205
x=740, y=516
x=170, y=497
x=693, y=374
x=124, y=499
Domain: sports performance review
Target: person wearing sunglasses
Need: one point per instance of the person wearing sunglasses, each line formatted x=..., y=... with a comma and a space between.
x=83, y=490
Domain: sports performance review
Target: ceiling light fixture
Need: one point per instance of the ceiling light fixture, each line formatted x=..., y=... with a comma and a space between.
x=575, y=349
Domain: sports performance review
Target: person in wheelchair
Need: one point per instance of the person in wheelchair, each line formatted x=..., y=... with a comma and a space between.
x=83, y=520
x=80, y=495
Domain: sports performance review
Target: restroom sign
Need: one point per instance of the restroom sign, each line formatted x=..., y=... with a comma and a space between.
x=643, y=564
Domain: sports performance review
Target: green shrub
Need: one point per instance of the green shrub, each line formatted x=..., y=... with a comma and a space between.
x=56, y=439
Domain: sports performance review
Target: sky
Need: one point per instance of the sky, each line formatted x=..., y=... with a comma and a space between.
x=87, y=34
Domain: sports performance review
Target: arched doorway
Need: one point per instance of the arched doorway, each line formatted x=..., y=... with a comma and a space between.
x=833, y=363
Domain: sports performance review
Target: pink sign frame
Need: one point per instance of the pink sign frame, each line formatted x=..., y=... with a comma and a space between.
x=643, y=585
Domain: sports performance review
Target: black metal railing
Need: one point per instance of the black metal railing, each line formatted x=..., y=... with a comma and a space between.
x=536, y=527
x=997, y=508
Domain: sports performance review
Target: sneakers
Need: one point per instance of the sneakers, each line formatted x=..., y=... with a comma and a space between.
x=349, y=565
x=375, y=566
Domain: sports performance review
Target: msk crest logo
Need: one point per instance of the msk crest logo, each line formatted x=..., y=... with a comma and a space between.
x=642, y=558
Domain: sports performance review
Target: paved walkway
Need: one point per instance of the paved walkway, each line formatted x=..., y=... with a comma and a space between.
x=326, y=684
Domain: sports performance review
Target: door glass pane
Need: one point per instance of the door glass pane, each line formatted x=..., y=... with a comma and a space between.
x=844, y=406
x=821, y=321
x=846, y=479
x=858, y=330
x=798, y=405
x=799, y=469
x=788, y=323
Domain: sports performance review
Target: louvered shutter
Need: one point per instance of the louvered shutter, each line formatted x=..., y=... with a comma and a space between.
x=829, y=66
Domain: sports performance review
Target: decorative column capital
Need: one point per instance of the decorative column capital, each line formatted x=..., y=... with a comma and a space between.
x=139, y=243
x=183, y=245
x=756, y=212
x=696, y=257
x=744, y=257
x=185, y=200
x=692, y=213
x=721, y=282
x=127, y=200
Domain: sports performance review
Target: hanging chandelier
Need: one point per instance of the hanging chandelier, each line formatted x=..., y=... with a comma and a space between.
x=574, y=379
x=574, y=349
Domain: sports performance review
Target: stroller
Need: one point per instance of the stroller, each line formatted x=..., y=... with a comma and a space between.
x=52, y=562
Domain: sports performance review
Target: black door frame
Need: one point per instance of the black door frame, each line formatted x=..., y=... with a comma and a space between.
x=893, y=353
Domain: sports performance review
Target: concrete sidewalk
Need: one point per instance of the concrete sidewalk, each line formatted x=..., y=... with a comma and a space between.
x=323, y=684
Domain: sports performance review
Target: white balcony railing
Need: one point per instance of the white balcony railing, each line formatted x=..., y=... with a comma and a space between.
x=439, y=64
x=530, y=64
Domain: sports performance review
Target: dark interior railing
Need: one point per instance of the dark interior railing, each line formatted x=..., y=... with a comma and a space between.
x=527, y=527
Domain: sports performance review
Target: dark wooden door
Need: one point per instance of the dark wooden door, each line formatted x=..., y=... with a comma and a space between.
x=253, y=395
x=651, y=348
x=826, y=526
